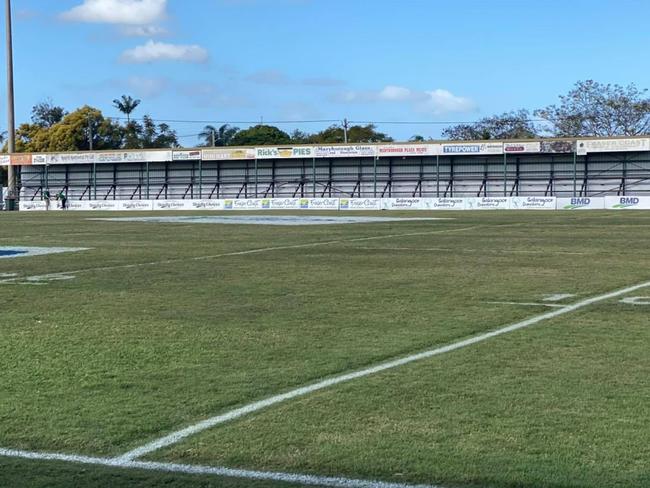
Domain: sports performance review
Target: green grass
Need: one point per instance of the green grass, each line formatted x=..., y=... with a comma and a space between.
x=115, y=358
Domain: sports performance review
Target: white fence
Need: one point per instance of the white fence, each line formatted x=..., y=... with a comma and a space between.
x=343, y=204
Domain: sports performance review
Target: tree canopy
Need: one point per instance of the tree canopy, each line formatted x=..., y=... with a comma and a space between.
x=509, y=125
x=260, y=135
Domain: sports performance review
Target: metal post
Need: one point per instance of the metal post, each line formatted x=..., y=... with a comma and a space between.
x=11, y=123
x=313, y=177
x=575, y=174
x=256, y=178
x=214, y=142
x=345, y=130
x=94, y=197
x=147, y=178
x=374, y=176
x=437, y=175
x=200, y=178
x=90, y=135
x=505, y=174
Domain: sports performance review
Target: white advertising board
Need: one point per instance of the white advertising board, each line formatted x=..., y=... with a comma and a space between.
x=613, y=145
x=77, y=205
x=103, y=157
x=208, y=204
x=31, y=206
x=487, y=203
x=186, y=155
x=627, y=203
x=135, y=205
x=247, y=204
x=103, y=205
x=319, y=203
x=284, y=152
x=4, y=159
x=360, y=203
x=414, y=203
x=360, y=151
x=581, y=203
x=522, y=147
x=173, y=205
x=472, y=148
x=228, y=154
x=396, y=150
x=533, y=203
x=448, y=204
x=285, y=204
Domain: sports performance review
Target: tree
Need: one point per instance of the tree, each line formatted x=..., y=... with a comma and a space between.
x=221, y=136
x=260, y=135
x=356, y=134
x=126, y=104
x=417, y=138
x=46, y=114
x=300, y=137
x=509, y=125
x=596, y=109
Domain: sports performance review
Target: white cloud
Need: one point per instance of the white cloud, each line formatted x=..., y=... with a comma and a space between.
x=160, y=51
x=443, y=101
x=143, y=31
x=269, y=77
x=125, y=12
x=437, y=101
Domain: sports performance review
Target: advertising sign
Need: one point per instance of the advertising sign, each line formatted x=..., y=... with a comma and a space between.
x=173, y=205
x=186, y=155
x=247, y=204
x=557, y=146
x=208, y=204
x=448, y=204
x=414, y=203
x=228, y=154
x=522, y=147
x=319, y=203
x=361, y=151
x=31, y=206
x=581, y=203
x=285, y=204
x=103, y=205
x=394, y=150
x=135, y=205
x=627, y=203
x=613, y=145
x=360, y=203
x=284, y=152
x=5, y=159
x=533, y=203
x=20, y=159
x=487, y=203
x=472, y=148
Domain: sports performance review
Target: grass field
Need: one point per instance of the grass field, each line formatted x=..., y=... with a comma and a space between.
x=158, y=326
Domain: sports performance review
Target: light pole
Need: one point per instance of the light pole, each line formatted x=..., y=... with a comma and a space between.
x=10, y=199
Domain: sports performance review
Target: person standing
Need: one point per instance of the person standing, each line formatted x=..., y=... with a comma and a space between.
x=63, y=199
x=47, y=198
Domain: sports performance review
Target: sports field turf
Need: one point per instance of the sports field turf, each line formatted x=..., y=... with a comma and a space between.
x=158, y=326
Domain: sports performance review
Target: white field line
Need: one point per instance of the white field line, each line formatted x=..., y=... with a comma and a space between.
x=528, y=304
x=302, y=479
x=449, y=249
x=182, y=434
x=243, y=253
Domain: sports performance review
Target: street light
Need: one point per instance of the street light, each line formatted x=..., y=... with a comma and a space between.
x=10, y=198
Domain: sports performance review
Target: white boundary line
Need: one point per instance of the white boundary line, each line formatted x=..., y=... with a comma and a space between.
x=303, y=479
x=449, y=249
x=529, y=304
x=243, y=253
x=182, y=434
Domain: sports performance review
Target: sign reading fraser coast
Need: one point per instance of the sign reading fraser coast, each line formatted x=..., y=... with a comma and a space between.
x=612, y=145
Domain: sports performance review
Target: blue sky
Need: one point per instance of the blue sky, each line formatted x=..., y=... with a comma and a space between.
x=279, y=60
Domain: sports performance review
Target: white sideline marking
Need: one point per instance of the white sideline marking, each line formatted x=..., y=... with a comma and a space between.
x=180, y=435
x=636, y=300
x=558, y=297
x=250, y=251
x=528, y=304
x=303, y=479
x=450, y=249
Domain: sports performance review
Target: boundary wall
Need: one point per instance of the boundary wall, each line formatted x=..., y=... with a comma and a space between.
x=343, y=204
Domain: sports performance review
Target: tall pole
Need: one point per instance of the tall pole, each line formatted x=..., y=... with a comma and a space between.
x=11, y=123
x=345, y=130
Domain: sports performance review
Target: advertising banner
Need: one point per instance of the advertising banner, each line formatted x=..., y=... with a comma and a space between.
x=581, y=203
x=361, y=151
x=135, y=205
x=103, y=205
x=487, y=203
x=20, y=159
x=319, y=203
x=31, y=206
x=5, y=160
x=71, y=158
x=557, y=146
x=284, y=152
x=472, y=148
x=522, y=147
x=173, y=205
x=186, y=155
x=414, y=203
x=247, y=204
x=76, y=205
x=39, y=158
x=285, y=204
x=613, y=145
x=360, y=203
x=448, y=204
x=228, y=154
x=208, y=204
x=533, y=203
x=627, y=203
x=396, y=150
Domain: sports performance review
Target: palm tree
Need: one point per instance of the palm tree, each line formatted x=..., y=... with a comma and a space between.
x=126, y=105
x=221, y=136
